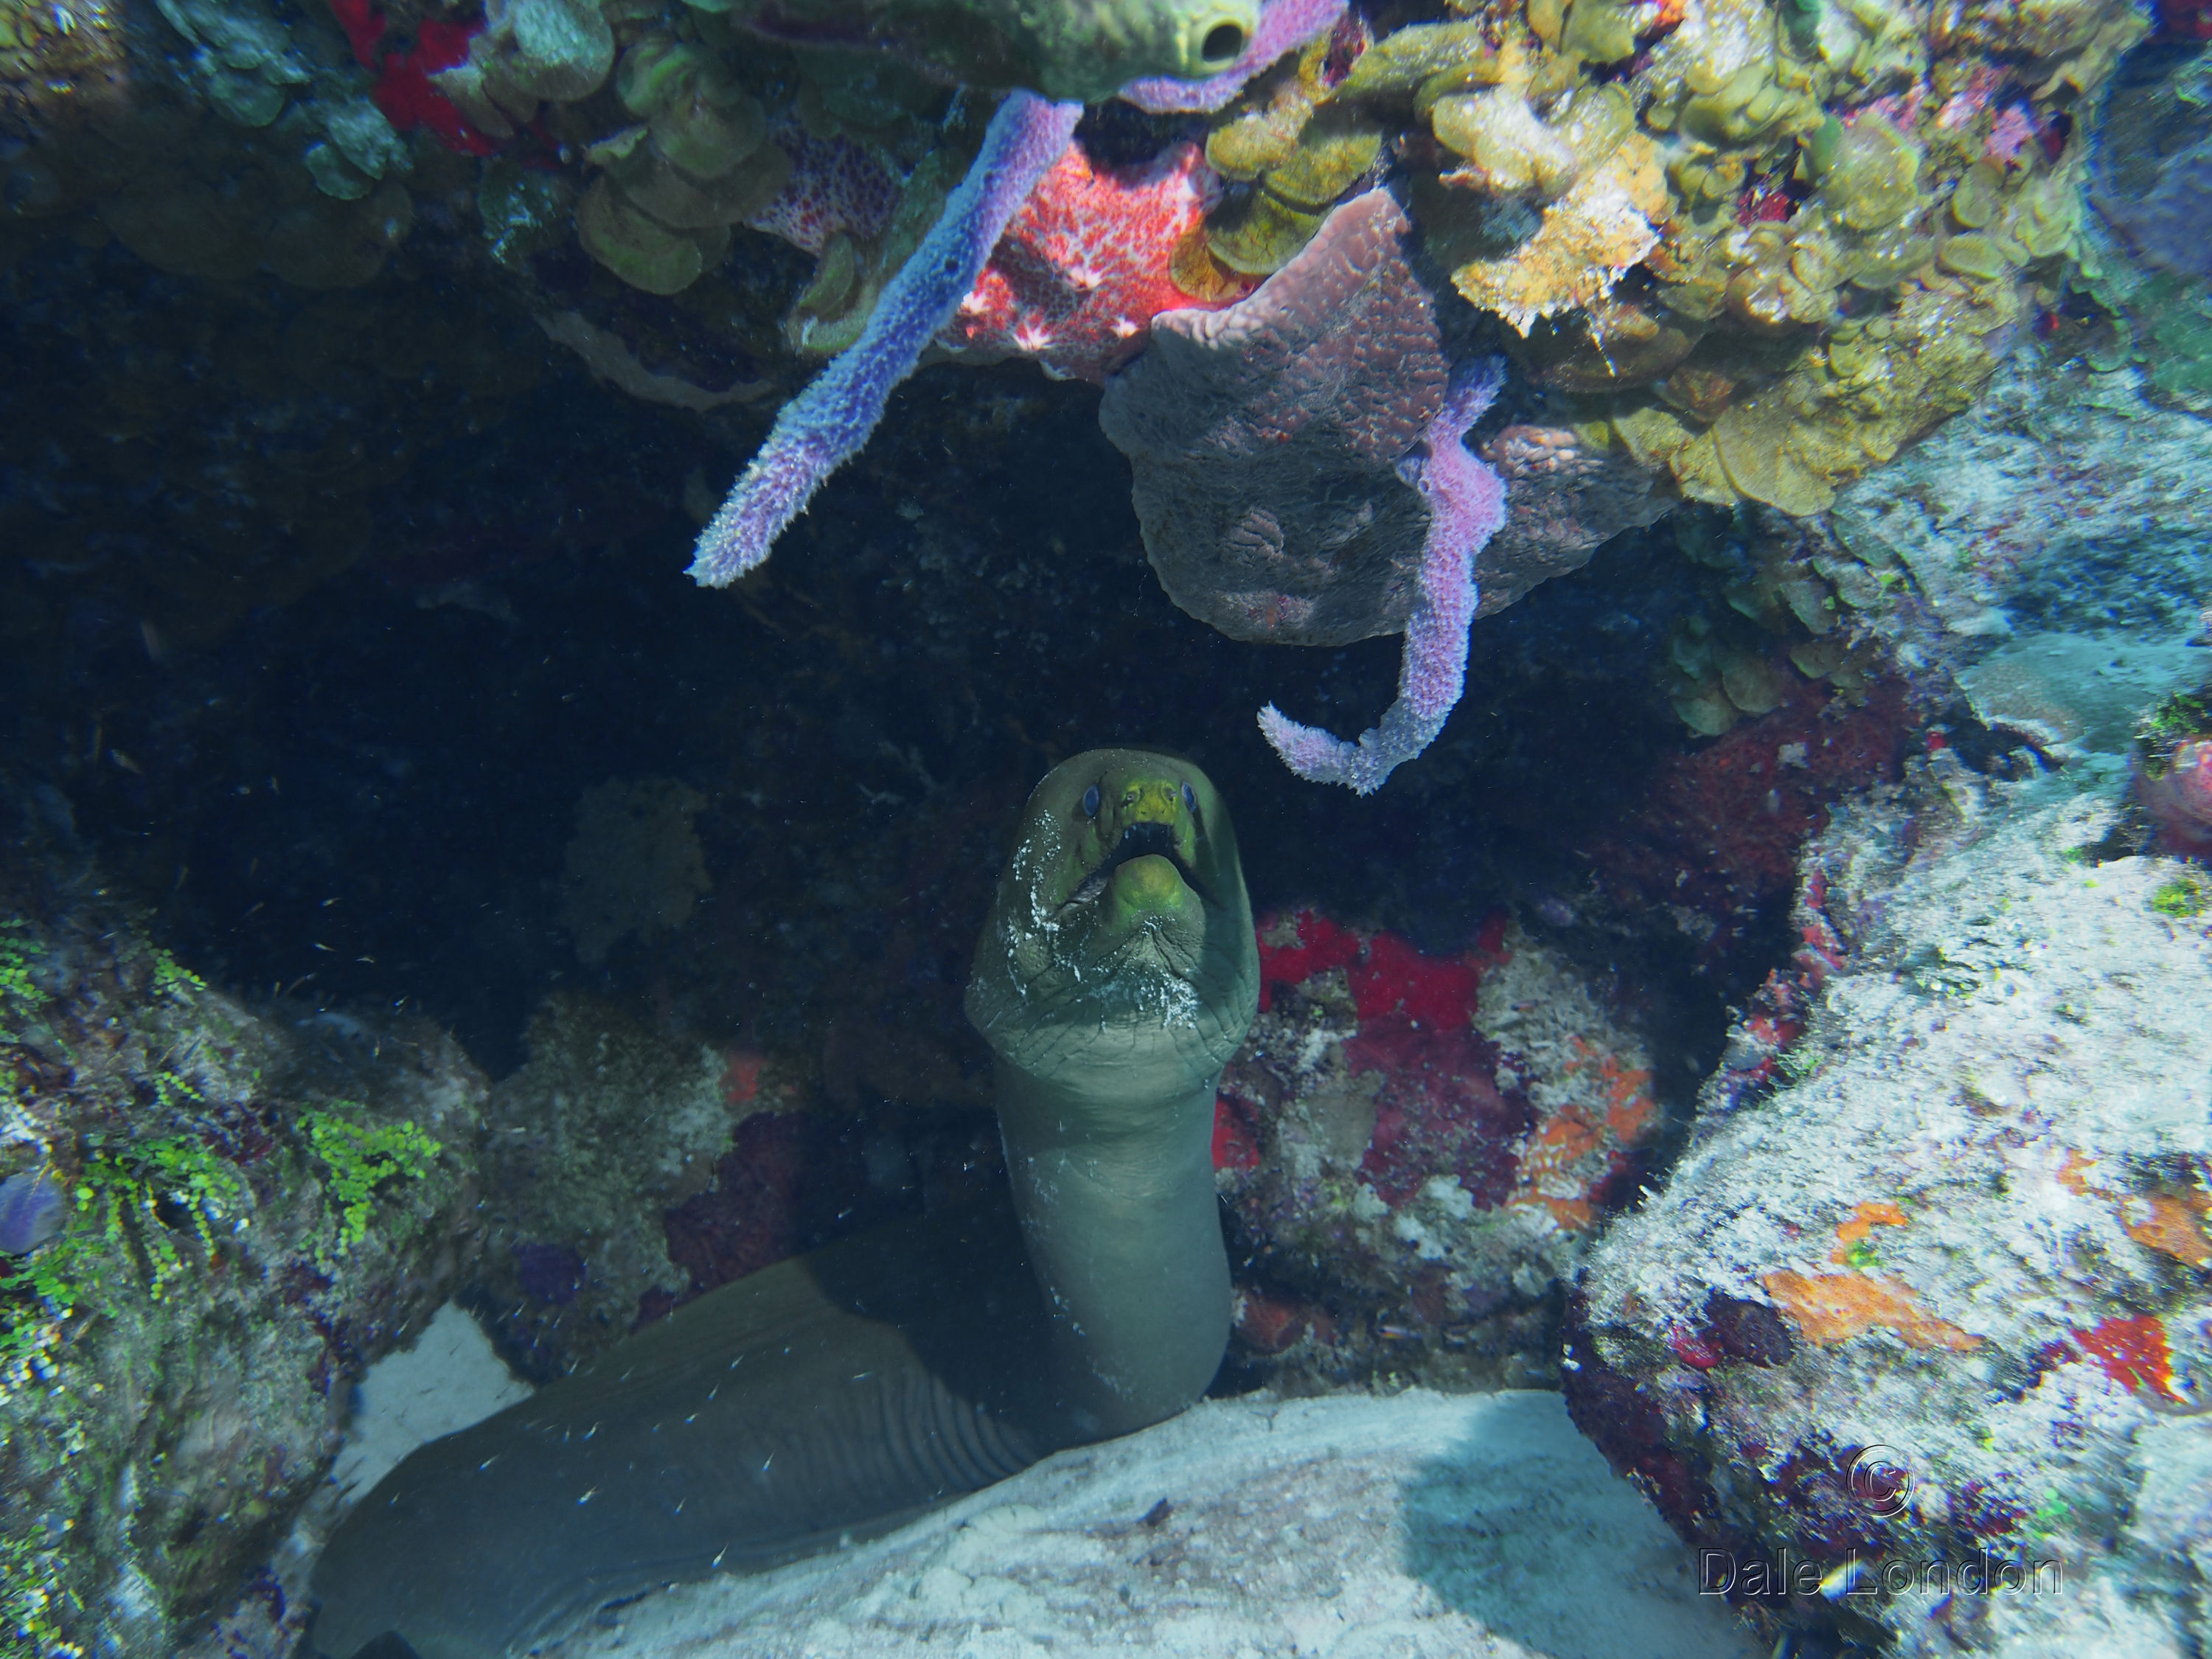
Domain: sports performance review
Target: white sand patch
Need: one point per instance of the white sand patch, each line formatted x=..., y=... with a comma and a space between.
x=1419, y=1526
x=448, y=1379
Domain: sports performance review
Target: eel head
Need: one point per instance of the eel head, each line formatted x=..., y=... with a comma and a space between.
x=1121, y=931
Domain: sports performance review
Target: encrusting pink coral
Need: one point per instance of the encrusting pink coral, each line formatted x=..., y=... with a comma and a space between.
x=1080, y=273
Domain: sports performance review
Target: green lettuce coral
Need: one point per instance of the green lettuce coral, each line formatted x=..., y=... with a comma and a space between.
x=696, y=162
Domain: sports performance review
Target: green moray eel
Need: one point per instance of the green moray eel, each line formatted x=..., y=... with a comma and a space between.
x=832, y=1397
x=1083, y=50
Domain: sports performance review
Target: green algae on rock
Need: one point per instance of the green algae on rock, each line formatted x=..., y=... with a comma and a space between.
x=261, y=1197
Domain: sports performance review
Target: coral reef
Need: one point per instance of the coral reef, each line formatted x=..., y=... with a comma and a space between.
x=1756, y=248
x=1301, y=478
x=1295, y=161
x=1415, y=1148
x=51, y=61
x=525, y=53
x=165, y=158
x=1916, y=1309
x=404, y=91
x=1782, y=620
x=92, y=98
x=1715, y=840
x=1265, y=440
x=1567, y=492
x=242, y=1206
x=1284, y=26
x=2151, y=185
x=2064, y=500
x=259, y=264
x=699, y=162
x=1765, y=247
x=2153, y=178
x=835, y=188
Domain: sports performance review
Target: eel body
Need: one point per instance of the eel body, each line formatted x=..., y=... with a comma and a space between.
x=832, y=1397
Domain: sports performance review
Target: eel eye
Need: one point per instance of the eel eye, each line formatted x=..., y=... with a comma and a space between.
x=1091, y=802
x=1190, y=800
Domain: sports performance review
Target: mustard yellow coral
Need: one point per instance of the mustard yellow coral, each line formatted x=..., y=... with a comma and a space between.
x=1595, y=231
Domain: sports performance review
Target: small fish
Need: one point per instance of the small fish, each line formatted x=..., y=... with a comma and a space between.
x=32, y=1210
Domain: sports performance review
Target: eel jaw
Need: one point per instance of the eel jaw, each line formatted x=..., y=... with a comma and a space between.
x=1141, y=908
x=1149, y=839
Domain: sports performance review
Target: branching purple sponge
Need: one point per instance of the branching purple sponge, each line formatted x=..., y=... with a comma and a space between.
x=826, y=424
x=1466, y=507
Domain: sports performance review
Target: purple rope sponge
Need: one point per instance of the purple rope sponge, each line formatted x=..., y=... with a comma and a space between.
x=1466, y=507
x=824, y=427
x=1284, y=26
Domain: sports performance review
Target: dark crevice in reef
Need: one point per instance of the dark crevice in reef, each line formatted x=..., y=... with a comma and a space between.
x=364, y=795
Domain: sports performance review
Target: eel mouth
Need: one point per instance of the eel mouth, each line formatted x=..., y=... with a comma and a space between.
x=1149, y=839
